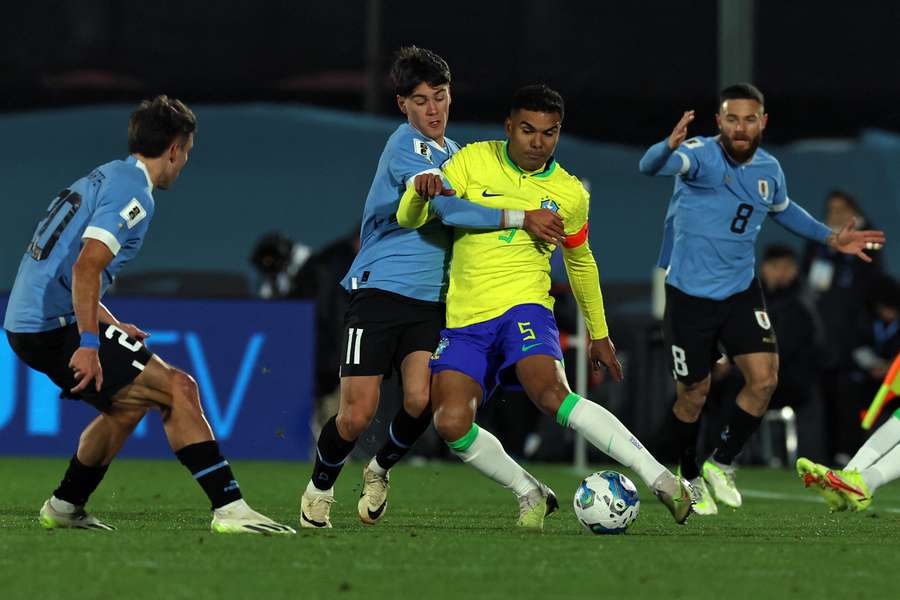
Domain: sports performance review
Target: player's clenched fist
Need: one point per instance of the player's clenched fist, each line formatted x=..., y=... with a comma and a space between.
x=429, y=185
x=603, y=354
x=679, y=134
x=545, y=224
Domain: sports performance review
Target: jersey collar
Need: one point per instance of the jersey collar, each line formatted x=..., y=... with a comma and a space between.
x=544, y=171
x=140, y=165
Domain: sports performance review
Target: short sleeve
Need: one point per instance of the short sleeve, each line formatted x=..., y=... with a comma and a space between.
x=576, y=225
x=119, y=220
x=411, y=156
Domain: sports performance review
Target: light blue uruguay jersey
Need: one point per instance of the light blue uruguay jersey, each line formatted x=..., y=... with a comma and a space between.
x=113, y=204
x=714, y=218
x=409, y=262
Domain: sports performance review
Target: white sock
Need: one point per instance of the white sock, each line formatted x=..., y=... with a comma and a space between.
x=885, y=470
x=602, y=429
x=314, y=491
x=61, y=505
x=879, y=443
x=483, y=451
x=377, y=468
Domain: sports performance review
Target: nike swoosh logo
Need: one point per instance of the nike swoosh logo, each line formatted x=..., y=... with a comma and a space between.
x=311, y=522
x=374, y=514
x=487, y=195
x=529, y=347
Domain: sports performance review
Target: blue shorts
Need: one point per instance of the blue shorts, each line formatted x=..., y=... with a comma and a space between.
x=486, y=351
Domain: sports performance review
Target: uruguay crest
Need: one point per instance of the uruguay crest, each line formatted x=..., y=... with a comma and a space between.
x=763, y=187
x=762, y=317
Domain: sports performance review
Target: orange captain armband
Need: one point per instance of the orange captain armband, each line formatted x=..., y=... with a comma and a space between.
x=577, y=239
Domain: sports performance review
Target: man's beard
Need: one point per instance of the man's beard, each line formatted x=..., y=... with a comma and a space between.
x=740, y=156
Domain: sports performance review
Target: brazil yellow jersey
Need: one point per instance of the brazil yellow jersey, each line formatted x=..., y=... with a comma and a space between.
x=493, y=271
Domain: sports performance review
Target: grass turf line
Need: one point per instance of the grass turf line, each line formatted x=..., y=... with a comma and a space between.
x=448, y=533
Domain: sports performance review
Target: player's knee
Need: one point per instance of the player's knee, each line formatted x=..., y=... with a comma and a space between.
x=185, y=393
x=127, y=420
x=550, y=399
x=763, y=386
x=416, y=401
x=352, y=420
x=452, y=424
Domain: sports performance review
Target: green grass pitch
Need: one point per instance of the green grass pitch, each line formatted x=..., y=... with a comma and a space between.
x=448, y=533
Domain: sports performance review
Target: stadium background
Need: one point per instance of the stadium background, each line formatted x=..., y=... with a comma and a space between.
x=294, y=107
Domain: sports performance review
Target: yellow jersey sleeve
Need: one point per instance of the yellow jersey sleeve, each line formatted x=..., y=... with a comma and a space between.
x=584, y=277
x=413, y=211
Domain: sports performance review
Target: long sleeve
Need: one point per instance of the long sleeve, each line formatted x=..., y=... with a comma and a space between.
x=798, y=221
x=585, y=281
x=662, y=160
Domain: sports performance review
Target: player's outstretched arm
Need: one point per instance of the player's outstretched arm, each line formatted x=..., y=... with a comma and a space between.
x=95, y=256
x=661, y=158
x=429, y=197
x=584, y=278
x=796, y=220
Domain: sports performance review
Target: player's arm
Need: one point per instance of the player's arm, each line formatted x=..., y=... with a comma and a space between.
x=584, y=277
x=795, y=219
x=131, y=329
x=665, y=158
x=94, y=257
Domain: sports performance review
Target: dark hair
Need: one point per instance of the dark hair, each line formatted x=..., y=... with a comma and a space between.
x=777, y=251
x=156, y=123
x=884, y=291
x=413, y=65
x=846, y=196
x=538, y=97
x=742, y=91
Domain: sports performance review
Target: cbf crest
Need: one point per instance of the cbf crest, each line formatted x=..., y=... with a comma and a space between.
x=550, y=205
x=442, y=345
x=763, y=186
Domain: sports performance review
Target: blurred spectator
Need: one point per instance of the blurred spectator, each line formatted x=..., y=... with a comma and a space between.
x=277, y=258
x=318, y=280
x=880, y=337
x=840, y=284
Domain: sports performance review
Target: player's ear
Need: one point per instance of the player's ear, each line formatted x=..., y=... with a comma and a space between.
x=507, y=126
x=401, y=103
x=719, y=121
x=764, y=121
x=173, y=151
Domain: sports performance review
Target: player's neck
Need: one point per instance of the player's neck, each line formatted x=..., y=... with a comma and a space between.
x=151, y=166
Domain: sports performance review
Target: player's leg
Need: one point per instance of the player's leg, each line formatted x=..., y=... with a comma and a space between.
x=455, y=397
x=749, y=338
x=412, y=419
x=177, y=396
x=690, y=328
x=418, y=337
x=370, y=339
x=99, y=443
x=544, y=381
x=879, y=443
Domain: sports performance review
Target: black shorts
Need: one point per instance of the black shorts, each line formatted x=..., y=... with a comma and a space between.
x=382, y=328
x=696, y=328
x=121, y=357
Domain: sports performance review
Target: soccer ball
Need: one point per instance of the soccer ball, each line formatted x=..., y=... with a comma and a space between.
x=606, y=502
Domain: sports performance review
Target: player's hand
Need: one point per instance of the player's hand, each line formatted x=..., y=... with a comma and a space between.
x=679, y=134
x=133, y=331
x=603, y=355
x=853, y=242
x=545, y=224
x=85, y=363
x=429, y=185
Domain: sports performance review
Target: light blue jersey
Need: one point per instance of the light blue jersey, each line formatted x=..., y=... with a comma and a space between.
x=409, y=262
x=715, y=216
x=113, y=204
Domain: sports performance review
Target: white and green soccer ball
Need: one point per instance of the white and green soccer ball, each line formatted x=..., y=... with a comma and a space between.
x=606, y=502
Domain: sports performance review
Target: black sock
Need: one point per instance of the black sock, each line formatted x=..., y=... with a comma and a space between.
x=211, y=471
x=332, y=452
x=79, y=482
x=735, y=435
x=683, y=438
x=403, y=432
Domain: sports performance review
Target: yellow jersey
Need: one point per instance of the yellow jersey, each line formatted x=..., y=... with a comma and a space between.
x=493, y=271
